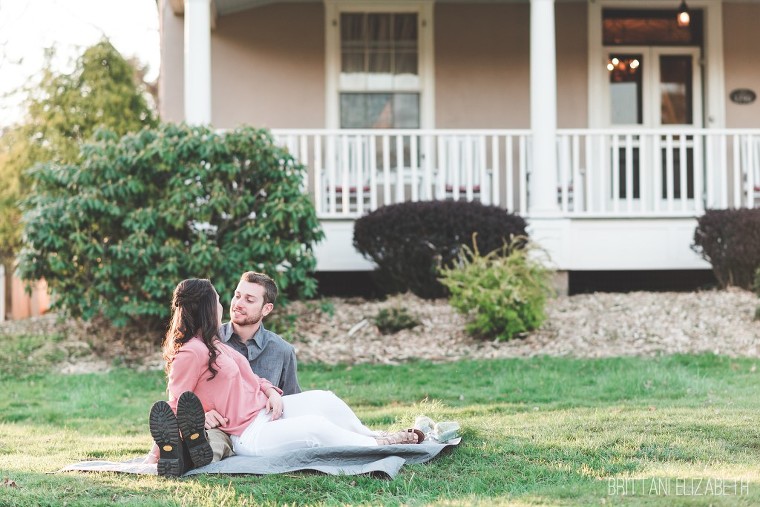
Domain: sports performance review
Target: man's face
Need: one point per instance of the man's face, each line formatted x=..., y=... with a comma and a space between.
x=247, y=306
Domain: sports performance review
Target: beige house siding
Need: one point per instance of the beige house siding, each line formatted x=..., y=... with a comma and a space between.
x=741, y=43
x=482, y=66
x=572, y=65
x=267, y=66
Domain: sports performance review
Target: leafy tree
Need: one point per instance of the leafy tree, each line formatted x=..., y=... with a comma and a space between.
x=63, y=111
x=115, y=232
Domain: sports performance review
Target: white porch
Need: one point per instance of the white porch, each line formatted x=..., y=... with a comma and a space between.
x=625, y=199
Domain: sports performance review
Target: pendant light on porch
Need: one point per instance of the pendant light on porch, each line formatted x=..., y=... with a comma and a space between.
x=683, y=16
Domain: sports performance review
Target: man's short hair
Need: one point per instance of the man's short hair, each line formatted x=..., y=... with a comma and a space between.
x=270, y=288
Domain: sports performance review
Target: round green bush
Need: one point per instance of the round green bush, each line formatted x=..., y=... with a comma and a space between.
x=114, y=233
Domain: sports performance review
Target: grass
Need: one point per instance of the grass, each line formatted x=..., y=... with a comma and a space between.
x=676, y=430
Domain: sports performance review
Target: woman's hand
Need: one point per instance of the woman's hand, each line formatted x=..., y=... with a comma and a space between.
x=274, y=404
x=214, y=419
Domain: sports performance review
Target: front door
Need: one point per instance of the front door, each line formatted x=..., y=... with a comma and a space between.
x=652, y=88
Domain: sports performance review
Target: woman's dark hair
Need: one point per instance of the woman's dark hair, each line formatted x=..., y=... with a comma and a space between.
x=194, y=307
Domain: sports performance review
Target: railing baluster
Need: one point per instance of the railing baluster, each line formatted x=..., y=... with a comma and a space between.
x=455, y=163
x=441, y=179
x=563, y=161
x=603, y=172
x=331, y=176
x=469, y=169
x=485, y=195
x=589, y=158
x=750, y=170
x=669, y=170
x=399, y=168
x=657, y=172
x=427, y=178
x=523, y=174
x=698, y=166
x=386, y=170
x=615, y=172
x=724, y=170
x=682, y=167
x=737, y=173
x=372, y=173
x=644, y=174
x=576, y=179
x=413, y=160
x=709, y=171
x=509, y=161
x=345, y=166
x=318, y=180
x=304, y=160
x=495, y=170
x=629, y=172
x=359, y=161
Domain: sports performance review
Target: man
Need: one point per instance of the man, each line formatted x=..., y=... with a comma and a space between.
x=269, y=355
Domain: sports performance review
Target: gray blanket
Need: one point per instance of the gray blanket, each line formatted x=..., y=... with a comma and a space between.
x=345, y=460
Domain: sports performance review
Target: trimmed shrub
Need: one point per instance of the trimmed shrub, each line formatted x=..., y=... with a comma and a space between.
x=410, y=241
x=393, y=320
x=730, y=241
x=503, y=293
x=115, y=233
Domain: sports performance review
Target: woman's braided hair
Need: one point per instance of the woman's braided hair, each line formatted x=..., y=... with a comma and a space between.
x=194, y=307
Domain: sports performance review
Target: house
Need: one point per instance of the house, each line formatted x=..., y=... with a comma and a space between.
x=605, y=122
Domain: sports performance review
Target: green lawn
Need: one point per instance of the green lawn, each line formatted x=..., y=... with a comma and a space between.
x=676, y=430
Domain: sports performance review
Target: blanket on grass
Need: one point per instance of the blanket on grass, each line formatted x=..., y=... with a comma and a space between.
x=344, y=460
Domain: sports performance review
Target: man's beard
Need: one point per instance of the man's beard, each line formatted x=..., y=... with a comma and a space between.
x=247, y=320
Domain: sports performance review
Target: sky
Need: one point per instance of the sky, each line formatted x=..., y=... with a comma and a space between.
x=29, y=27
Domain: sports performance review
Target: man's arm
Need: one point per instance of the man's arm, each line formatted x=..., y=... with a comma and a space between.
x=289, y=378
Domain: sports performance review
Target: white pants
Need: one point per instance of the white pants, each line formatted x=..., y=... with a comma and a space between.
x=309, y=419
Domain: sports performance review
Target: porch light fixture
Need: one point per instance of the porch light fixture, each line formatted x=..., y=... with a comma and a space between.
x=683, y=16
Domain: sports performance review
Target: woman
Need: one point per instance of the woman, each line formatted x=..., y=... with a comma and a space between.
x=258, y=418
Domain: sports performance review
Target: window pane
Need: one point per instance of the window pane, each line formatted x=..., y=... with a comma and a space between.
x=352, y=30
x=352, y=62
x=649, y=27
x=625, y=89
x=676, y=90
x=379, y=110
x=406, y=110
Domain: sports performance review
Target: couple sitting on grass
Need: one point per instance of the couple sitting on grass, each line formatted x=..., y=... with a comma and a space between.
x=211, y=386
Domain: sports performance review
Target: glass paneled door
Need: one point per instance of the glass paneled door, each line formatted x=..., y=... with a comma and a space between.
x=652, y=88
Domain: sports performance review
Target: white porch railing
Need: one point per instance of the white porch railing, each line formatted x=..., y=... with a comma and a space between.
x=657, y=173
x=352, y=172
x=601, y=173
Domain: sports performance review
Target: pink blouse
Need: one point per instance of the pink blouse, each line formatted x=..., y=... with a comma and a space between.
x=235, y=392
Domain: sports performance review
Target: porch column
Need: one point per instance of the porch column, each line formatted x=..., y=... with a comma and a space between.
x=197, y=62
x=543, y=108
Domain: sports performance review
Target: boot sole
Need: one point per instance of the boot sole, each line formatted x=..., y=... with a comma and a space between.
x=165, y=432
x=192, y=421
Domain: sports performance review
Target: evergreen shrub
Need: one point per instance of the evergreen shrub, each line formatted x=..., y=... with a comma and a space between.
x=410, y=241
x=114, y=233
x=503, y=293
x=729, y=240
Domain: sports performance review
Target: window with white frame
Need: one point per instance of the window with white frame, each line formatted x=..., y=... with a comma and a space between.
x=379, y=83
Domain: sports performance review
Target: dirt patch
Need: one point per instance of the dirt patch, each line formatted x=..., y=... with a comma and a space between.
x=337, y=330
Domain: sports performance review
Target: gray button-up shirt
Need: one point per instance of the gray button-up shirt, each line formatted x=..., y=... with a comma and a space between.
x=269, y=355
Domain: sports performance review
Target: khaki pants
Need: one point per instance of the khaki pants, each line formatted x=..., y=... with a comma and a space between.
x=220, y=443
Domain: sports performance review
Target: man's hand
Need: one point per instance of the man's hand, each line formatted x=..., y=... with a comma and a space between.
x=274, y=404
x=214, y=419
